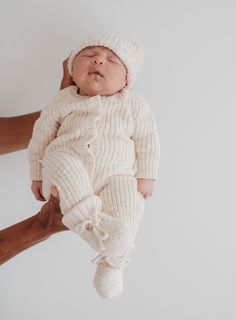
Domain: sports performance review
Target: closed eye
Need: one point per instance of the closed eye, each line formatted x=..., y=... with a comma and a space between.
x=87, y=55
x=112, y=60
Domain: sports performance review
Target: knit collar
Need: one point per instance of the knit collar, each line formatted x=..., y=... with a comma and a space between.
x=114, y=98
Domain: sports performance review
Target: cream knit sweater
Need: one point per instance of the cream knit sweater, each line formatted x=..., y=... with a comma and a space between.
x=117, y=132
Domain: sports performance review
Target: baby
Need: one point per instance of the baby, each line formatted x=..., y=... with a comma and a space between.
x=95, y=146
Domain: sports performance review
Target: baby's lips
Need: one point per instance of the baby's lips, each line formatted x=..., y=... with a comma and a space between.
x=96, y=72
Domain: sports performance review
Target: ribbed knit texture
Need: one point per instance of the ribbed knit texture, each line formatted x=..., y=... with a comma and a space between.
x=120, y=129
x=110, y=204
x=93, y=149
x=122, y=200
x=70, y=177
x=81, y=208
x=130, y=53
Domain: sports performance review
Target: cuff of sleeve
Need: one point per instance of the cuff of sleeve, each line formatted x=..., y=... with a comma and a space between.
x=36, y=170
x=147, y=171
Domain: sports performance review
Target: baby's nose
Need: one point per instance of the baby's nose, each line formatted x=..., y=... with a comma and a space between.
x=98, y=60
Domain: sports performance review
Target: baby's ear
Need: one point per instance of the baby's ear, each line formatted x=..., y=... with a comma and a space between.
x=126, y=79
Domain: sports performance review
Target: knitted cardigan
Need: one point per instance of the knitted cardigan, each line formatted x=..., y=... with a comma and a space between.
x=117, y=133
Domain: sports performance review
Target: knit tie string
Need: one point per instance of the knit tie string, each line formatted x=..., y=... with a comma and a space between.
x=113, y=261
x=99, y=233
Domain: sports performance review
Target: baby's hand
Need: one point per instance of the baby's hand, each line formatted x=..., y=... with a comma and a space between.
x=36, y=187
x=145, y=187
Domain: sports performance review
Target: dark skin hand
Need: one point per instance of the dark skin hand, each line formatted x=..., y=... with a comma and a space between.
x=15, y=134
x=31, y=231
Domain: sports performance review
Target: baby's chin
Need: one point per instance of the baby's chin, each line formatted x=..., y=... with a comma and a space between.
x=95, y=89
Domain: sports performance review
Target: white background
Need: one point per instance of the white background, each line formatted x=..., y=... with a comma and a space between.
x=184, y=263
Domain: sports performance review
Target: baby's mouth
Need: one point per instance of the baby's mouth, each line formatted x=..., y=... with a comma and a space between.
x=96, y=72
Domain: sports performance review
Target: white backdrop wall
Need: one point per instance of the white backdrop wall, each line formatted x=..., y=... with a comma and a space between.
x=184, y=263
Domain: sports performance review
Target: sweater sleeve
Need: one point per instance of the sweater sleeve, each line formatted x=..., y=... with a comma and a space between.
x=146, y=140
x=44, y=131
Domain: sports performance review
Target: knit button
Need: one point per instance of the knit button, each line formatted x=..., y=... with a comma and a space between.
x=90, y=131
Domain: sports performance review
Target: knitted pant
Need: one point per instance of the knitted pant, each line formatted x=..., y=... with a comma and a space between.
x=116, y=196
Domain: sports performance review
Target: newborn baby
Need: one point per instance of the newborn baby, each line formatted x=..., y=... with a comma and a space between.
x=95, y=146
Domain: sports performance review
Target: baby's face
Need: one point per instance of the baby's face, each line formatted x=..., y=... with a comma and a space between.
x=98, y=71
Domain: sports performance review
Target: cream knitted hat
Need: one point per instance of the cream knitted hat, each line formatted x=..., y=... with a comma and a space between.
x=130, y=53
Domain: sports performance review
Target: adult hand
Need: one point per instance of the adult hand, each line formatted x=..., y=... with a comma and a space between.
x=66, y=79
x=50, y=216
x=31, y=231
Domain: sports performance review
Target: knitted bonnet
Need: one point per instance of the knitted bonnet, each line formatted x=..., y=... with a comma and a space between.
x=130, y=53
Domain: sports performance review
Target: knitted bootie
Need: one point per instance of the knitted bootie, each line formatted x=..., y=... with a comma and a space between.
x=108, y=279
x=102, y=232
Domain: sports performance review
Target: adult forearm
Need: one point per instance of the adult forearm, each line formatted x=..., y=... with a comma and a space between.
x=15, y=132
x=21, y=236
x=31, y=231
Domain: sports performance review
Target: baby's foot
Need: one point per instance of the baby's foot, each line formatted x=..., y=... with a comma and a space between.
x=108, y=279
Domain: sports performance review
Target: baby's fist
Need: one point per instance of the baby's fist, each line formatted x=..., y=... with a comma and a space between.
x=145, y=187
x=36, y=188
